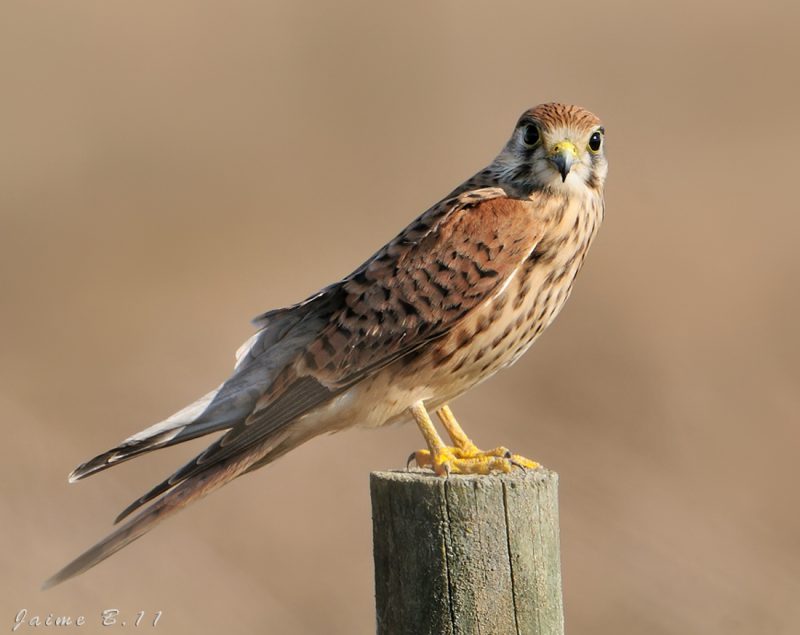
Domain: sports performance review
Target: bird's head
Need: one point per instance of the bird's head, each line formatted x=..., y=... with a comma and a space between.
x=555, y=147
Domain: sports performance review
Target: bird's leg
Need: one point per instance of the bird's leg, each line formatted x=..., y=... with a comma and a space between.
x=436, y=446
x=469, y=449
x=464, y=457
x=443, y=459
x=459, y=437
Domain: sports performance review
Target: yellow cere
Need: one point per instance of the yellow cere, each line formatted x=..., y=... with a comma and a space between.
x=564, y=147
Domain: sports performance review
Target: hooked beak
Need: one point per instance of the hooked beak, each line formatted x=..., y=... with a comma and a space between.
x=562, y=156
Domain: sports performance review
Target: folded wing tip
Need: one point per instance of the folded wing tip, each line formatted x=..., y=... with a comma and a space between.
x=79, y=473
x=88, y=468
x=128, y=510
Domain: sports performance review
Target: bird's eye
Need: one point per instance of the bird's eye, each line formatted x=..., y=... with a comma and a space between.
x=531, y=136
x=595, y=141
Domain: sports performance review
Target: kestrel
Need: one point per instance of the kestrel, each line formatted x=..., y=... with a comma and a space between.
x=459, y=294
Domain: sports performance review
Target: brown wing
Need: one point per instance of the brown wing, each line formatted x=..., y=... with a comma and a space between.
x=419, y=286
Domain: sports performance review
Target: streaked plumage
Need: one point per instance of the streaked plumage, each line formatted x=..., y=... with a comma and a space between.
x=460, y=293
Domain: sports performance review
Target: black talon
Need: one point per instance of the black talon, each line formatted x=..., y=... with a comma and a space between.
x=412, y=457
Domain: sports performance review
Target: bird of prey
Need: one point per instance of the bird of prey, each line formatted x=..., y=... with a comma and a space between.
x=459, y=294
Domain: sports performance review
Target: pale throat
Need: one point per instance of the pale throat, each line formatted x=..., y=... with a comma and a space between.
x=572, y=218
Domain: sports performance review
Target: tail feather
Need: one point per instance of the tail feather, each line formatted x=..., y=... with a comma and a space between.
x=182, y=495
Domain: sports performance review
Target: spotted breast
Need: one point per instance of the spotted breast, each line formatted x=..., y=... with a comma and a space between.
x=505, y=327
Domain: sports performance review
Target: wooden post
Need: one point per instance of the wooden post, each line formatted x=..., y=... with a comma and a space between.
x=467, y=554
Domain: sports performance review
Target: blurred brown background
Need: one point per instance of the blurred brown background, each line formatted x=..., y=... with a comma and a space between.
x=170, y=169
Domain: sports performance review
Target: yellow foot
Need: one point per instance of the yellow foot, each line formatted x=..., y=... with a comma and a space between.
x=454, y=460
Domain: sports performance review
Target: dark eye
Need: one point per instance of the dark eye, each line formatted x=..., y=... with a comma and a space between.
x=531, y=136
x=595, y=141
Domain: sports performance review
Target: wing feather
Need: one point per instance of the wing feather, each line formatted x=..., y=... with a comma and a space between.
x=413, y=291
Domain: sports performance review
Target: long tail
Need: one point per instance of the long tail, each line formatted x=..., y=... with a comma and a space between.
x=182, y=495
x=247, y=444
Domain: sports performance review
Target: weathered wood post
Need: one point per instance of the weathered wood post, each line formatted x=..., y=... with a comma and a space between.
x=467, y=554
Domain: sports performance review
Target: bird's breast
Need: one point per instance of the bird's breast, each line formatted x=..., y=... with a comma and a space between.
x=498, y=332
